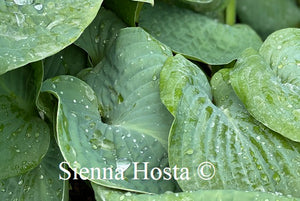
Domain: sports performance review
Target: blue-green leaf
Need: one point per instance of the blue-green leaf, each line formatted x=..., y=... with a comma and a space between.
x=24, y=135
x=197, y=36
x=117, y=118
x=33, y=30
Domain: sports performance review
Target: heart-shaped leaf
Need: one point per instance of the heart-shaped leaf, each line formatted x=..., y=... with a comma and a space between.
x=199, y=37
x=240, y=153
x=24, y=138
x=268, y=82
x=121, y=122
x=32, y=30
x=41, y=183
x=102, y=193
x=99, y=34
x=269, y=15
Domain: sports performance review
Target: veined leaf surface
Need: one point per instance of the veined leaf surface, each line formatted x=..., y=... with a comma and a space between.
x=247, y=156
x=268, y=82
x=99, y=34
x=102, y=193
x=41, y=183
x=127, y=10
x=196, y=36
x=31, y=30
x=24, y=136
x=269, y=15
x=121, y=119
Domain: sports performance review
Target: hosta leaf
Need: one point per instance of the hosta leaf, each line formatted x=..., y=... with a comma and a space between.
x=202, y=6
x=41, y=183
x=202, y=38
x=132, y=125
x=69, y=61
x=246, y=155
x=31, y=30
x=146, y=1
x=127, y=10
x=268, y=82
x=102, y=193
x=99, y=34
x=24, y=136
x=269, y=15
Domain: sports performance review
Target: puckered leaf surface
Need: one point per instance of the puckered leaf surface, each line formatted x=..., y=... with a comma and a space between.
x=246, y=155
x=197, y=36
x=268, y=82
x=102, y=193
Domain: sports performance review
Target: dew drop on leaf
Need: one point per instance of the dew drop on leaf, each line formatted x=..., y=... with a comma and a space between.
x=38, y=6
x=122, y=164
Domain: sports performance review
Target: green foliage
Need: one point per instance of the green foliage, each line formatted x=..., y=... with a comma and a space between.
x=179, y=106
x=32, y=30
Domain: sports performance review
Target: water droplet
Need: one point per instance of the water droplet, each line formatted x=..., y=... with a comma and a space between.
x=189, y=151
x=120, y=99
x=276, y=177
x=42, y=176
x=122, y=164
x=20, y=182
x=74, y=101
x=279, y=47
x=97, y=39
x=86, y=106
x=154, y=77
x=38, y=6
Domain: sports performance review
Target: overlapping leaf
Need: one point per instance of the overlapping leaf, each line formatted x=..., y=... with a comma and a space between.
x=41, y=183
x=268, y=82
x=24, y=137
x=31, y=30
x=203, y=6
x=102, y=193
x=127, y=10
x=246, y=155
x=99, y=34
x=196, y=36
x=269, y=15
x=132, y=125
x=69, y=61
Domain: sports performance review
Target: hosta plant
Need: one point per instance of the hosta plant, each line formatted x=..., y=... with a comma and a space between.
x=150, y=100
